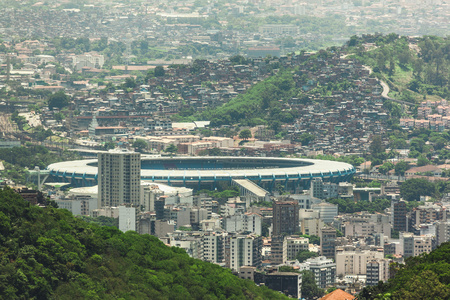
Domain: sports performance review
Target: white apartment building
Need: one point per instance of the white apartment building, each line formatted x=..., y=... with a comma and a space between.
x=90, y=60
x=414, y=245
x=327, y=211
x=119, y=178
x=324, y=270
x=367, y=228
x=213, y=246
x=311, y=226
x=248, y=222
x=127, y=218
x=78, y=205
x=355, y=262
x=244, y=251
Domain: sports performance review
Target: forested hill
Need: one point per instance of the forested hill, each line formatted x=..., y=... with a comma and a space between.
x=261, y=104
x=423, y=277
x=415, y=69
x=49, y=254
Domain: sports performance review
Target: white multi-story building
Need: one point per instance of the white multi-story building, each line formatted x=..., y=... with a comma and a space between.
x=78, y=205
x=356, y=229
x=119, y=177
x=90, y=60
x=327, y=211
x=324, y=270
x=213, y=246
x=245, y=250
x=127, y=218
x=355, y=262
x=414, y=245
x=248, y=222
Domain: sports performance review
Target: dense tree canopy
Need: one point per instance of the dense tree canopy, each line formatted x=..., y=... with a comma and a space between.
x=303, y=255
x=412, y=189
x=49, y=254
x=58, y=100
x=350, y=206
x=140, y=145
x=245, y=134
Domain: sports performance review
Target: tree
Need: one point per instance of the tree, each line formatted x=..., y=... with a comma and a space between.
x=401, y=167
x=310, y=290
x=171, y=149
x=303, y=255
x=58, y=100
x=19, y=120
x=386, y=167
x=412, y=189
x=422, y=161
x=159, y=71
x=130, y=83
x=59, y=117
x=306, y=138
x=140, y=145
x=245, y=134
x=109, y=145
x=376, y=146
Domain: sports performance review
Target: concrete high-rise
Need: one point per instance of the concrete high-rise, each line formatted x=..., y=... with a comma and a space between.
x=244, y=251
x=285, y=217
x=398, y=215
x=328, y=242
x=119, y=178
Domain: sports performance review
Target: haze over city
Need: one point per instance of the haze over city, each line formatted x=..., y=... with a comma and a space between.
x=224, y=149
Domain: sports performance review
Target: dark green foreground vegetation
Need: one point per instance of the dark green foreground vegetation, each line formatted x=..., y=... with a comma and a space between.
x=423, y=277
x=49, y=254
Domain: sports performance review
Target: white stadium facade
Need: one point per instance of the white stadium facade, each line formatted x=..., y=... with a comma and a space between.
x=210, y=172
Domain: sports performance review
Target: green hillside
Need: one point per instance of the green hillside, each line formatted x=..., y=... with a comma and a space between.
x=261, y=104
x=49, y=254
x=423, y=277
x=415, y=69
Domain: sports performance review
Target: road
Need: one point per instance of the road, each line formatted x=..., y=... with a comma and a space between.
x=385, y=93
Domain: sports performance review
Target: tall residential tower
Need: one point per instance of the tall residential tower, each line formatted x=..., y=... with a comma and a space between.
x=119, y=178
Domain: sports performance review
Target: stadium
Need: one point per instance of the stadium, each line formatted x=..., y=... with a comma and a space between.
x=210, y=172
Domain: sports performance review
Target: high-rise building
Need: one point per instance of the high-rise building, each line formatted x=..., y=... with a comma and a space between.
x=285, y=217
x=398, y=215
x=248, y=223
x=442, y=232
x=213, y=247
x=278, y=250
x=415, y=245
x=119, y=178
x=377, y=270
x=425, y=214
x=324, y=271
x=244, y=251
x=327, y=211
x=317, y=188
x=328, y=242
